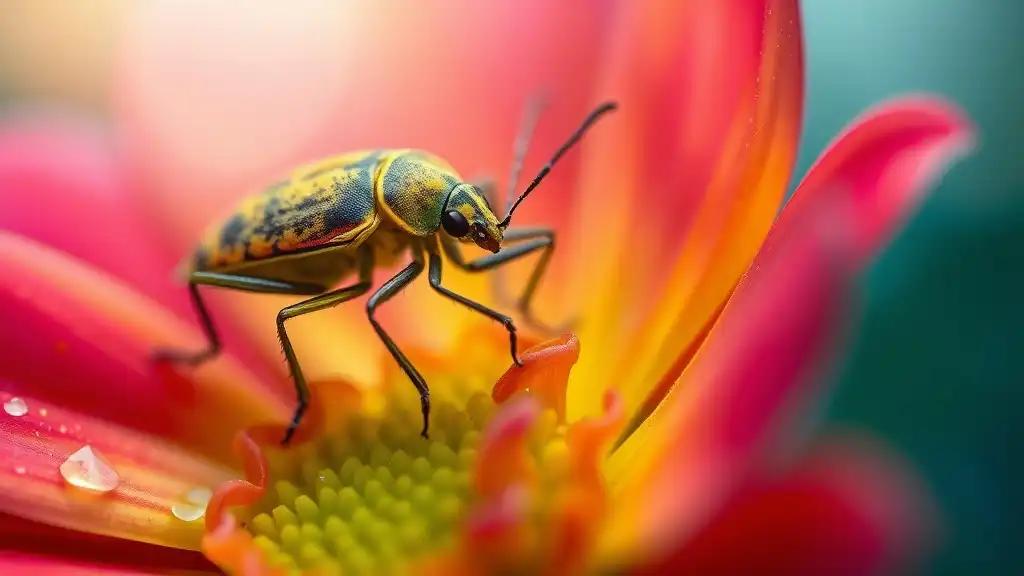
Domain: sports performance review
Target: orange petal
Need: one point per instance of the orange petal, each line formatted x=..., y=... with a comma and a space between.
x=760, y=363
x=685, y=183
x=544, y=373
x=86, y=340
x=152, y=476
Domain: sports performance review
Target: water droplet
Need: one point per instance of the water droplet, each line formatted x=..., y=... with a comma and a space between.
x=16, y=407
x=87, y=469
x=19, y=470
x=63, y=429
x=43, y=412
x=194, y=506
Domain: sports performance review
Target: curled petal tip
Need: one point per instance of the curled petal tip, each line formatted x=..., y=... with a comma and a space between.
x=544, y=372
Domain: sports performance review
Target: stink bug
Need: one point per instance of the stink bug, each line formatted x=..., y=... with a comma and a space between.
x=351, y=214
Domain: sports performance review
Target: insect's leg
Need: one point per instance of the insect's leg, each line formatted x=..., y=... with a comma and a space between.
x=525, y=241
x=435, y=282
x=332, y=298
x=383, y=294
x=236, y=282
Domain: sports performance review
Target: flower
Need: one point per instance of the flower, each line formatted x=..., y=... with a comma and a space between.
x=655, y=437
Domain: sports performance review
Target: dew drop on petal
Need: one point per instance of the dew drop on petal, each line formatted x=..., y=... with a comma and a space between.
x=16, y=407
x=88, y=470
x=20, y=470
x=43, y=412
x=63, y=429
x=194, y=506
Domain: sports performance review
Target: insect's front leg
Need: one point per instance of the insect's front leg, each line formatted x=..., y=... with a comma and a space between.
x=525, y=241
x=435, y=283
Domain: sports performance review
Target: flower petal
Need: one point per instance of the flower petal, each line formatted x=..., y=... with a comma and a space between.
x=153, y=475
x=86, y=341
x=544, y=373
x=757, y=365
x=842, y=511
x=62, y=184
x=52, y=550
x=707, y=139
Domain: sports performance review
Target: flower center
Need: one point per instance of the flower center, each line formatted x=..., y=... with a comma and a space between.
x=502, y=485
x=373, y=494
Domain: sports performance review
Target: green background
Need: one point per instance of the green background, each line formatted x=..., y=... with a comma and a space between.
x=938, y=362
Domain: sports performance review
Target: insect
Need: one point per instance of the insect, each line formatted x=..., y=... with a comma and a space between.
x=354, y=213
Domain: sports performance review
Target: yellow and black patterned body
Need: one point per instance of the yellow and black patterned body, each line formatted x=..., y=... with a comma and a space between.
x=308, y=229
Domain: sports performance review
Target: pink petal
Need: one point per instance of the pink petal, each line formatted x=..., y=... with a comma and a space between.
x=756, y=370
x=21, y=563
x=62, y=183
x=80, y=338
x=842, y=511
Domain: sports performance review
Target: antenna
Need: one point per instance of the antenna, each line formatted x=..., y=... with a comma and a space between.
x=587, y=123
x=531, y=114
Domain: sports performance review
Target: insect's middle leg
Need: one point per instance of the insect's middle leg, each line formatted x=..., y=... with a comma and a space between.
x=435, y=282
x=383, y=294
x=314, y=304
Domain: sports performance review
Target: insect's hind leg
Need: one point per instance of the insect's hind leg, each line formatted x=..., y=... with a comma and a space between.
x=237, y=282
x=383, y=294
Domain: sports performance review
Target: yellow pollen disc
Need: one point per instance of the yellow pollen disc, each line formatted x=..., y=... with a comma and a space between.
x=374, y=496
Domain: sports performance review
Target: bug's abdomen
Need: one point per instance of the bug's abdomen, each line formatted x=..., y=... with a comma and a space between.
x=327, y=203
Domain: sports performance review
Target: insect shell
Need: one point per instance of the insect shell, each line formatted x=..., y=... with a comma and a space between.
x=307, y=228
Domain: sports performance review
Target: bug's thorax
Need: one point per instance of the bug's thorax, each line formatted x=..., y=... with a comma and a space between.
x=411, y=189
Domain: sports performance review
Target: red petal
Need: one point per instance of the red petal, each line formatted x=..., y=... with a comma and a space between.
x=153, y=475
x=843, y=512
x=86, y=341
x=51, y=550
x=757, y=368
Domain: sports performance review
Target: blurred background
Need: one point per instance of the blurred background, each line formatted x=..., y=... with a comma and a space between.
x=936, y=369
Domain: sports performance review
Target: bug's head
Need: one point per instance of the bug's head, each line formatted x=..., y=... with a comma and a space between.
x=468, y=217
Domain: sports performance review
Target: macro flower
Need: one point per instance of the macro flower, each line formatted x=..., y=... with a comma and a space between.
x=661, y=433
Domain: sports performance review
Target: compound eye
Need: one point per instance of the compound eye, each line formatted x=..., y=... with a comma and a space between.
x=455, y=223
